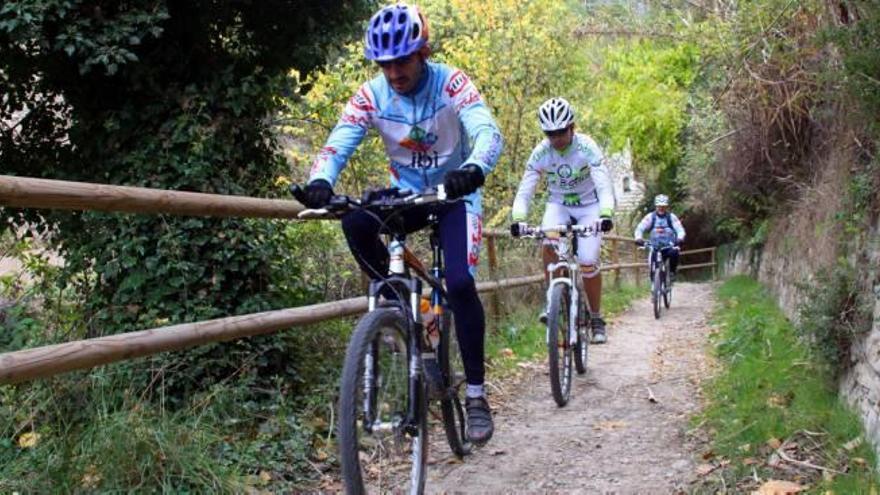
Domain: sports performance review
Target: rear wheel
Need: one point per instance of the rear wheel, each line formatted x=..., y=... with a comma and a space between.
x=558, y=346
x=583, y=336
x=452, y=367
x=375, y=436
x=667, y=285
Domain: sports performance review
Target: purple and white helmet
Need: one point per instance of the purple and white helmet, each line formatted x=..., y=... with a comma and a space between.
x=395, y=31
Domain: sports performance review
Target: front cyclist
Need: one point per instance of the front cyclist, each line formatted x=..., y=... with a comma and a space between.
x=436, y=130
x=579, y=187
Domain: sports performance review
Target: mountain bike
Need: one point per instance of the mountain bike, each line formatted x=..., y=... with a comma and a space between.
x=661, y=282
x=393, y=364
x=568, y=311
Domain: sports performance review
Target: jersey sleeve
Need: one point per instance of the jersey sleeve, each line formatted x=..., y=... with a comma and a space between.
x=602, y=179
x=678, y=227
x=476, y=119
x=527, y=185
x=356, y=120
x=644, y=224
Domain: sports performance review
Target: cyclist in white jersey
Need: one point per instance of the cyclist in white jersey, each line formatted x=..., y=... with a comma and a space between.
x=580, y=189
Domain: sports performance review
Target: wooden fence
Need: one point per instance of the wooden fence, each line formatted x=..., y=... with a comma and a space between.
x=46, y=361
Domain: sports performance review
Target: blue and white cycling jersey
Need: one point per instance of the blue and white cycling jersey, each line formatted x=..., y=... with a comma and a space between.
x=664, y=229
x=440, y=126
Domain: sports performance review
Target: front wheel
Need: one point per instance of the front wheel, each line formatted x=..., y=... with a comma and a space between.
x=558, y=344
x=667, y=288
x=378, y=433
x=656, y=289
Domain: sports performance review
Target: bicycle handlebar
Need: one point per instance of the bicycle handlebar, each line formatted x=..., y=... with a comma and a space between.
x=519, y=230
x=658, y=245
x=341, y=204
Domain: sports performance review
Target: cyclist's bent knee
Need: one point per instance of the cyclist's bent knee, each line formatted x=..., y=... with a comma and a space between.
x=590, y=270
x=458, y=283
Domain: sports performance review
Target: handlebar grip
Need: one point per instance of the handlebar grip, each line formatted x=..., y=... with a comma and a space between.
x=298, y=193
x=515, y=229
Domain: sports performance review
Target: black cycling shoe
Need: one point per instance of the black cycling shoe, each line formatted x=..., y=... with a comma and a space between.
x=479, y=420
x=598, y=327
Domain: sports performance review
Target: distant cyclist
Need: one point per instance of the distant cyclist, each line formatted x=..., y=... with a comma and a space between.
x=436, y=130
x=580, y=189
x=664, y=230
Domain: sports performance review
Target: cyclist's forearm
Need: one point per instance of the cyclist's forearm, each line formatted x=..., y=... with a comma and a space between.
x=333, y=157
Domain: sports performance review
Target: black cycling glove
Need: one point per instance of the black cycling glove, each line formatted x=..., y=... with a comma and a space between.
x=640, y=242
x=463, y=181
x=606, y=224
x=317, y=194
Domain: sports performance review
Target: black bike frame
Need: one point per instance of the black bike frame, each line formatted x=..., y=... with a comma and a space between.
x=408, y=286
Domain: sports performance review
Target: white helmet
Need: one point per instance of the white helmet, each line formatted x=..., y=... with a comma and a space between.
x=555, y=114
x=661, y=200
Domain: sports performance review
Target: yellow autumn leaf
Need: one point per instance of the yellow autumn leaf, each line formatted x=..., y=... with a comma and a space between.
x=28, y=440
x=779, y=487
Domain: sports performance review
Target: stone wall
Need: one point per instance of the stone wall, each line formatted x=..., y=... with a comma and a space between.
x=861, y=382
x=784, y=269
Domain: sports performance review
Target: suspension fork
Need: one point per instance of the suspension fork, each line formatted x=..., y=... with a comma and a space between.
x=415, y=382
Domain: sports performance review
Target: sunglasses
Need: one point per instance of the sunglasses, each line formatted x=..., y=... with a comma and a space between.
x=556, y=133
x=405, y=60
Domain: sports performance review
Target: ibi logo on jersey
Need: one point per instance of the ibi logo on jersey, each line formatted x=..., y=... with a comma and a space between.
x=420, y=142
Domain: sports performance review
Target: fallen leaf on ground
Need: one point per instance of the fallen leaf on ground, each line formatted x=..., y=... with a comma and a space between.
x=507, y=352
x=29, y=439
x=91, y=479
x=498, y=452
x=748, y=461
x=704, y=469
x=859, y=461
x=852, y=444
x=774, y=443
x=777, y=401
x=609, y=425
x=779, y=487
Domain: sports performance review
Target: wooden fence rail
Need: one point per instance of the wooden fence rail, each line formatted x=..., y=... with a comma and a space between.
x=50, y=360
x=25, y=192
x=55, y=359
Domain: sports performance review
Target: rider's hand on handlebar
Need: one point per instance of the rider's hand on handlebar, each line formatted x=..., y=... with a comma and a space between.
x=515, y=229
x=605, y=224
x=317, y=194
x=463, y=181
x=640, y=242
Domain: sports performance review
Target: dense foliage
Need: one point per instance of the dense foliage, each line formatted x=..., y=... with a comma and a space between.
x=723, y=104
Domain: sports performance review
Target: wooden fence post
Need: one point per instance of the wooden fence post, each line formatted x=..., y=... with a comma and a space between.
x=615, y=260
x=635, y=257
x=493, y=274
x=714, y=267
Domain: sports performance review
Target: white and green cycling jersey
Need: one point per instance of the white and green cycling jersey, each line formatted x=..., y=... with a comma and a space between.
x=576, y=176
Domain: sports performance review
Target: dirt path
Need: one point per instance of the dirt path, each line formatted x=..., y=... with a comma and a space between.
x=610, y=438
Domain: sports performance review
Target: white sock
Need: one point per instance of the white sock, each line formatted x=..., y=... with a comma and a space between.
x=475, y=391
